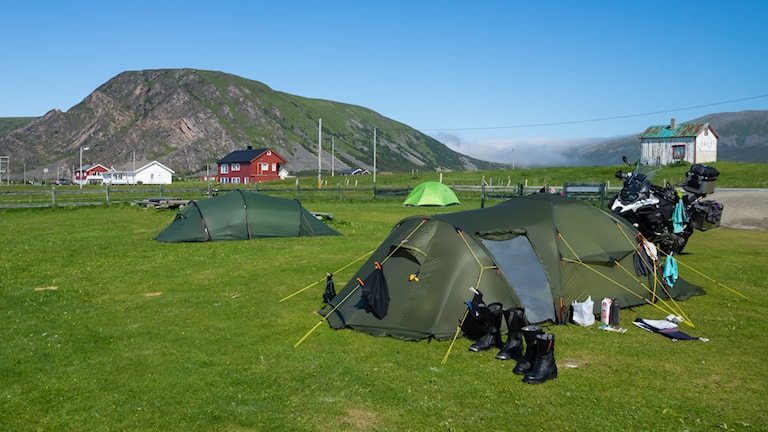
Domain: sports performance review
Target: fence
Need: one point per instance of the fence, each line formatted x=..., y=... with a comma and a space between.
x=111, y=194
x=72, y=196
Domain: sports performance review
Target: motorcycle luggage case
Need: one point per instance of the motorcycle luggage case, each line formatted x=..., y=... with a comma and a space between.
x=706, y=215
x=701, y=179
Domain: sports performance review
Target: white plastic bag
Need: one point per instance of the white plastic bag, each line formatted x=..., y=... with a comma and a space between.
x=583, y=313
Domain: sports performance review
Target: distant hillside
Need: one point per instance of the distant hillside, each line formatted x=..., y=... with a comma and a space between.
x=11, y=123
x=743, y=138
x=187, y=119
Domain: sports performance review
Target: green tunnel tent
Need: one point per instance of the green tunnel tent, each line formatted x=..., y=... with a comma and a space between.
x=530, y=251
x=431, y=193
x=242, y=215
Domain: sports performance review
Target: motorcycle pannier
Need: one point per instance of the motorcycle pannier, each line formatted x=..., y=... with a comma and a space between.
x=701, y=179
x=706, y=215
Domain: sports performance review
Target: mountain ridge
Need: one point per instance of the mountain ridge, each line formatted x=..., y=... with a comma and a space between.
x=188, y=118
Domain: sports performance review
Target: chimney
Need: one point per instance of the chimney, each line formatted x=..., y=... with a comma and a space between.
x=250, y=148
x=673, y=123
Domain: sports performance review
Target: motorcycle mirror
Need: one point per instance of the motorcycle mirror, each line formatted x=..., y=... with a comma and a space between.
x=626, y=161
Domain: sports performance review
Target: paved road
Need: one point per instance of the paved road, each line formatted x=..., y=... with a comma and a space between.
x=744, y=208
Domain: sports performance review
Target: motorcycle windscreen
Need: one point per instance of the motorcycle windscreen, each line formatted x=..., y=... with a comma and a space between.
x=524, y=271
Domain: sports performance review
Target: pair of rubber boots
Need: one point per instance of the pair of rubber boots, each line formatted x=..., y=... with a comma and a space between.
x=538, y=363
x=490, y=316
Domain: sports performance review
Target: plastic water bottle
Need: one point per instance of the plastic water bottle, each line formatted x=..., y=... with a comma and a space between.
x=614, y=319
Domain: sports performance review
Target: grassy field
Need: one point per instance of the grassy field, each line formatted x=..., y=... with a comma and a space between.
x=105, y=329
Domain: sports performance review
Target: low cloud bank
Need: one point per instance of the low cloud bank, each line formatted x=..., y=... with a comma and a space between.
x=531, y=153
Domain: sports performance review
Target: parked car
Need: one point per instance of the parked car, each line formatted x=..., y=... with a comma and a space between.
x=63, y=181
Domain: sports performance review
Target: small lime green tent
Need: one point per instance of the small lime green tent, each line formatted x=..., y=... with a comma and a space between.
x=241, y=216
x=431, y=193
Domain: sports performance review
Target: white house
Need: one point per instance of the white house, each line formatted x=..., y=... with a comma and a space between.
x=283, y=173
x=691, y=142
x=145, y=172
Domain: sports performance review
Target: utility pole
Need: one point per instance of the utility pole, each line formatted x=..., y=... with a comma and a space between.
x=319, y=152
x=80, y=176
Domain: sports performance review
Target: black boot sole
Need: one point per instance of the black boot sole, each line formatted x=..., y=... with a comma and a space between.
x=551, y=376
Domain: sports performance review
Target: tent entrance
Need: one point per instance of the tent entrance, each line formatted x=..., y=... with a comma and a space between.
x=521, y=266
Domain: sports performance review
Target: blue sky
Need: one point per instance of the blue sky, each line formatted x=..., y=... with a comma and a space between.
x=483, y=77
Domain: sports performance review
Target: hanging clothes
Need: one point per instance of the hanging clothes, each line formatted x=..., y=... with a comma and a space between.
x=330, y=289
x=645, y=258
x=670, y=271
x=678, y=217
x=376, y=293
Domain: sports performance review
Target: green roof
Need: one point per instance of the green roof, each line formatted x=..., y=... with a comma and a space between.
x=683, y=130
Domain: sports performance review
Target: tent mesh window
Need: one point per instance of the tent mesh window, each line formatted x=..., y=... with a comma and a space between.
x=522, y=267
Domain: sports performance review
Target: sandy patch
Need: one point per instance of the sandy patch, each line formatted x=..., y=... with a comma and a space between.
x=745, y=209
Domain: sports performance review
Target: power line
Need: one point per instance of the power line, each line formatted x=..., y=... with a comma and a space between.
x=596, y=119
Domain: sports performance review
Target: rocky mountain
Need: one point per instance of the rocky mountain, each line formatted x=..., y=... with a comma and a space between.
x=743, y=138
x=187, y=119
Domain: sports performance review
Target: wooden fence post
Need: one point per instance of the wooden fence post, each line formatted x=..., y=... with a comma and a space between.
x=482, y=193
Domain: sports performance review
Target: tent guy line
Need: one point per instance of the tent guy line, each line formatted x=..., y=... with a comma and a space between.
x=320, y=280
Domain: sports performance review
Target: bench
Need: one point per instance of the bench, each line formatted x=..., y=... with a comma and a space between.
x=594, y=192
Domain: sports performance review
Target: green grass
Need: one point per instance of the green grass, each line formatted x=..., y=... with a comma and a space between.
x=140, y=335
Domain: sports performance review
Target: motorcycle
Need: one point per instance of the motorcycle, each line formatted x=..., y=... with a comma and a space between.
x=665, y=215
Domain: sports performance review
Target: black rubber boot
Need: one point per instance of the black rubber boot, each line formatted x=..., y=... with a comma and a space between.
x=545, y=368
x=513, y=349
x=491, y=316
x=526, y=363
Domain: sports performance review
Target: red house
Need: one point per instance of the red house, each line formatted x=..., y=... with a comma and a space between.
x=90, y=174
x=250, y=165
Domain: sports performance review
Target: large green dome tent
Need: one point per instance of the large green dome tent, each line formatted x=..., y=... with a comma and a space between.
x=431, y=193
x=539, y=252
x=242, y=215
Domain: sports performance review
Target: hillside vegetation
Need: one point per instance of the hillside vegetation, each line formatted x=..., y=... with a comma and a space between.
x=187, y=119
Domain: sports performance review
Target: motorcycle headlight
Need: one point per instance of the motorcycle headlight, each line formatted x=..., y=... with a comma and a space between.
x=628, y=196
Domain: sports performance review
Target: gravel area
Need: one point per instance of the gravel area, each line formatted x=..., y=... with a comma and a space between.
x=744, y=208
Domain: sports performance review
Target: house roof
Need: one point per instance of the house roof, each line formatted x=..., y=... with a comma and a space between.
x=140, y=166
x=683, y=130
x=246, y=155
x=87, y=168
x=352, y=171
